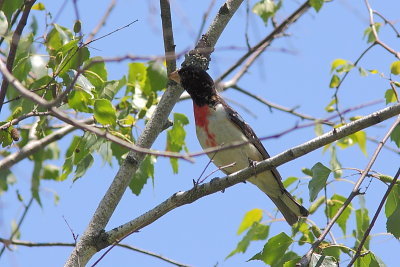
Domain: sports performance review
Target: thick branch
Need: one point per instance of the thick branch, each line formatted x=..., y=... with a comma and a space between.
x=220, y=184
x=85, y=248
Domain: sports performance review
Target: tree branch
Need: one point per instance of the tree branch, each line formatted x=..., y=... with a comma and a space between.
x=65, y=244
x=305, y=260
x=366, y=234
x=33, y=146
x=86, y=246
x=220, y=184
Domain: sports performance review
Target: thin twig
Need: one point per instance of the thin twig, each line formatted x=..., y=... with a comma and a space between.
x=21, y=220
x=13, y=47
x=375, y=32
x=102, y=22
x=356, y=191
x=23, y=117
x=378, y=210
x=66, y=244
x=267, y=40
x=281, y=108
x=387, y=22
x=35, y=145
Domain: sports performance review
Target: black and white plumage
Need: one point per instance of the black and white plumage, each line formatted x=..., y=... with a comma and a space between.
x=218, y=124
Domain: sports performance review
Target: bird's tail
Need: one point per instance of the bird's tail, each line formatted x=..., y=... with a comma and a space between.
x=289, y=207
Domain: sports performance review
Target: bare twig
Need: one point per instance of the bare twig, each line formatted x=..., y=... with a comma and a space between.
x=65, y=244
x=102, y=22
x=378, y=210
x=267, y=40
x=282, y=108
x=335, y=95
x=375, y=33
x=21, y=220
x=13, y=47
x=356, y=191
x=23, y=117
x=387, y=22
x=204, y=20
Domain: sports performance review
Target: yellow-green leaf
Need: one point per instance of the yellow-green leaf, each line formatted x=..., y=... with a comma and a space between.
x=254, y=215
x=395, y=68
x=338, y=62
x=390, y=96
x=38, y=6
x=104, y=112
x=335, y=81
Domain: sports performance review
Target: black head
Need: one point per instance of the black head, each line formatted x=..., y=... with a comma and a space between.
x=198, y=84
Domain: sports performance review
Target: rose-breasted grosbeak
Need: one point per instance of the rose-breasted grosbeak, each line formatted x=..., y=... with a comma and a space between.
x=218, y=124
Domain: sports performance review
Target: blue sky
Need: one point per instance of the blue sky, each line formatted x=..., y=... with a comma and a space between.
x=295, y=71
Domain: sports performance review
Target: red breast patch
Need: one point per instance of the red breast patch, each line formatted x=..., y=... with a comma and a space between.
x=201, y=118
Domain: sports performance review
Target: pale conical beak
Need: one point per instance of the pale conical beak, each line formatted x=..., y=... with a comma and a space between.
x=175, y=77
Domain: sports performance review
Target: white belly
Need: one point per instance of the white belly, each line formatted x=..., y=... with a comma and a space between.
x=227, y=134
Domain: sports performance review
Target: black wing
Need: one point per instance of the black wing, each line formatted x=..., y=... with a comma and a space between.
x=249, y=133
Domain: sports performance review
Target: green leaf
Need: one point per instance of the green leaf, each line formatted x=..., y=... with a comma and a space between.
x=316, y=204
x=38, y=6
x=307, y=171
x=137, y=76
x=50, y=172
x=82, y=83
x=335, y=164
x=395, y=135
x=392, y=211
x=335, y=81
x=395, y=68
x=86, y=145
x=316, y=4
x=176, y=138
x=266, y=9
x=360, y=138
x=334, y=204
x=320, y=174
x=77, y=26
x=390, y=96
x=10, y=6
x=145, y=171
x=6, y=178
x=274, y=249
x=369, y=34
x=35, y=183
x=257, y=231
x=252, y=216
x=58, y=37
x=363, y=72
x=330, y=107
x=157, y=76
x=322, y=260
x=83, y=166
x=369, y=260
x=290, y=259
x=3, y=23
x=339, y=62
x=290, y=180
x=362, y=221
x=104, y=112
x=111, y=88
x=5, y=138
x=393, y=201
x=80, y=100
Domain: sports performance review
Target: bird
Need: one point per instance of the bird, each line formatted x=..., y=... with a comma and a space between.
x=217, y=124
